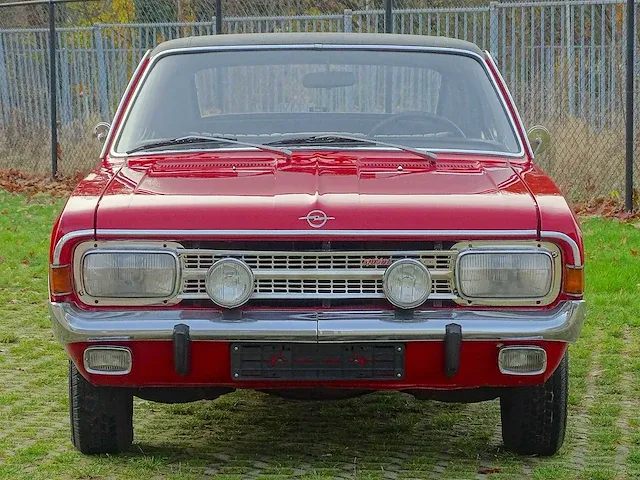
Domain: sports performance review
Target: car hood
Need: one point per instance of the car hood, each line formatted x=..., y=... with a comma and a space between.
x=356, y=190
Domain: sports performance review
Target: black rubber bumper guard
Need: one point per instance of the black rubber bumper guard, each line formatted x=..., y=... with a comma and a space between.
x=182, y=349
x=452, y=345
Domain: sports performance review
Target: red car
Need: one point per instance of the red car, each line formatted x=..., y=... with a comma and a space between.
x=317, y=216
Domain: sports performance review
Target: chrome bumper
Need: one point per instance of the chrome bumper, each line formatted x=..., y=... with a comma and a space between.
x=562, y=323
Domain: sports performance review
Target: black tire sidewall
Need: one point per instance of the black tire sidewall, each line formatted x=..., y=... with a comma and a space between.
x=101, y=417
x=534, y=419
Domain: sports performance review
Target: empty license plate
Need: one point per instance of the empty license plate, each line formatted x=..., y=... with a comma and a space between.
x=302, y=361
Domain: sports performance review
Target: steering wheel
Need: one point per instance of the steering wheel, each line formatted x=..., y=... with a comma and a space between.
x=418, y=116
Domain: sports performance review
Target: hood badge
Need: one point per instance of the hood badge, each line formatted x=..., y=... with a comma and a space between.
x=376, y=262
x=317, y=218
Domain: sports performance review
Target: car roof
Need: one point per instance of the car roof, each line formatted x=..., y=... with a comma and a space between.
x=249, y=39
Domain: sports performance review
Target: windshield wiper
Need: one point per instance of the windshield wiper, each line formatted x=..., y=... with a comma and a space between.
x=196, y=139
x=329, y=138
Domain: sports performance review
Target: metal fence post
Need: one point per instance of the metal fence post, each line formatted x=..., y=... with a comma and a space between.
x=53, y=89
x=64, y=84
x=628, y=197
x=348, y=20
x=388, y=16
x=493, y=29
x=4, y=86
x=218, y=17
x=570, y=59
x=102, y=72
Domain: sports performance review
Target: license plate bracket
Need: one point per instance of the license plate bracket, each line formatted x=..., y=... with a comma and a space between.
x=311, y=361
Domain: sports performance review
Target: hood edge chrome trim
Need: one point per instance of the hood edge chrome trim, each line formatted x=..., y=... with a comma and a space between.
x=454, y=234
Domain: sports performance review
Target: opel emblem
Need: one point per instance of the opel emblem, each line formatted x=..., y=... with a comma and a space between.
x=375, y=262
x=317, y=218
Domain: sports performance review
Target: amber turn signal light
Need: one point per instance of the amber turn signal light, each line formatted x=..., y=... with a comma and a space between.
x=574, y=280
x=60, y=280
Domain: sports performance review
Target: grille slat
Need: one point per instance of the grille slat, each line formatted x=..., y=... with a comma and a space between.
x=312, y=261
x=316, y=275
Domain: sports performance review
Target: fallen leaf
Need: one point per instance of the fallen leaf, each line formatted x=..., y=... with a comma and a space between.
x=634, y=252
x=489, y=470
x=16, y=181
x=605, y=206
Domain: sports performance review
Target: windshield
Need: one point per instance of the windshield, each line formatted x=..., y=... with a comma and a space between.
x=435, y=101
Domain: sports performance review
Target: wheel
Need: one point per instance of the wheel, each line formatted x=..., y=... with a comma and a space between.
x=101, y=417
x=534, y=419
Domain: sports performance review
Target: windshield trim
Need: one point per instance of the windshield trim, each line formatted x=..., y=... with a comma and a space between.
x=111, y=139
x=517, y=117
x=398, y=48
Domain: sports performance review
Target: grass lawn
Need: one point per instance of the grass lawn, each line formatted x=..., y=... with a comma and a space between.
x=249, y=435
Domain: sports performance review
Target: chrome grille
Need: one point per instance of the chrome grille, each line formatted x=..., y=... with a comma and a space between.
x=316, y=275
x=318, y=286
x=313, y=260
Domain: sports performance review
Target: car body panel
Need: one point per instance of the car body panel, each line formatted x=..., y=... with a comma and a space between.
x=78, y=214
x=362, y=190
x=555, y=213
x=153, y=366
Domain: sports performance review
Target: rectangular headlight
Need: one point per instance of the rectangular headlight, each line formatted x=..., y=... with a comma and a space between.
x=495, y=274
x=120, y=274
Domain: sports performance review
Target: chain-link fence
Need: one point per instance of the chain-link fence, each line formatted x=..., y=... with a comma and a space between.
x=563, y=61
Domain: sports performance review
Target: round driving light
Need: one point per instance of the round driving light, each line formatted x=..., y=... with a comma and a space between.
x=407, y=283
x=229, y=282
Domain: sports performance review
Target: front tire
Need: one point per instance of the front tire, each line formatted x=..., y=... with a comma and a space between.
x=101, y=417
x=534, y=419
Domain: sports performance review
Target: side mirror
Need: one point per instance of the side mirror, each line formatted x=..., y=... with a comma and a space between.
x=539, y=138
x=101, y=130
